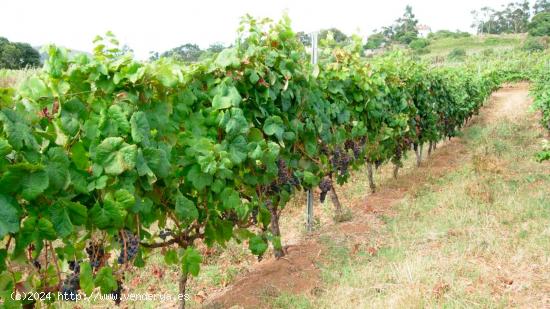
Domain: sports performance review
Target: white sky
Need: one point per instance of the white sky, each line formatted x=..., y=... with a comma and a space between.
x=162, y=24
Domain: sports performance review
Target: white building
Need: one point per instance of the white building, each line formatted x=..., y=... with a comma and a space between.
x=423, y=30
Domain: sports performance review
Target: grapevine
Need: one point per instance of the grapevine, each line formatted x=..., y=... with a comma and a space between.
x=97, y=151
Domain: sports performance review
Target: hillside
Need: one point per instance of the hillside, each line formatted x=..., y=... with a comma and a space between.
x=476, y=43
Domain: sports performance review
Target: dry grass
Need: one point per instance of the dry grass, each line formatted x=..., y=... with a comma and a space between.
x=12, y=78
x=476, y=237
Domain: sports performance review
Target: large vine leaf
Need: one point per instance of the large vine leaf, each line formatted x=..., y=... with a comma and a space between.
x=186, y=211
x=140, y=128
x=18, y=132
x=226, y=97
x=115, y=155
x=191, y=261
x=29, y=180
x=105, y=280
x=9, y=215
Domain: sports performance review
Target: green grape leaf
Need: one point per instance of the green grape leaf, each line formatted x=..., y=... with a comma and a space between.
x=230, y=198
x=115, y=155
x=140, y=128
x=199, y=179
x=46, y=230
x=257, y=245
x=227, y=57
x=274, y=126
x=125, y=198
x=105, y=280
x=58, y=169
x=18, y=132
x=9, y=215
x=171, y=257
x=157, y=161
x=119, y=117
x=86, y=278
x=79, y=156
x=61, y=219
x=71, y=114
x=3, y=256
x=191, y=261
x=226, y=97
x=186, y=210
x=32, y=184
x=34, y=88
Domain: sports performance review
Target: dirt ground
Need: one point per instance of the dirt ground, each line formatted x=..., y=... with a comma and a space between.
x=298, y=271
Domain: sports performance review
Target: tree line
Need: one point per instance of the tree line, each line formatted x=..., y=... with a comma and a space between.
x=514, y=17
x=16, y=55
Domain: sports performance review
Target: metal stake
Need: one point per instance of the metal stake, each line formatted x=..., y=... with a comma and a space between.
x=309, y=211
x=309, y=208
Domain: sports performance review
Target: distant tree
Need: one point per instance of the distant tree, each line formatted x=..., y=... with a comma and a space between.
x=153, y=55
x=304, y=38
x=518, y=15
x=534, y=44
x=30, y=56
x=443, y=34
x=215, y=48
x=512, y=18
x=187, y=52
x=375, y=41
x=15, y=55
x=541, y=6
x=388, y=32
x=405, y=28
x=540, y=25
x=338, y=36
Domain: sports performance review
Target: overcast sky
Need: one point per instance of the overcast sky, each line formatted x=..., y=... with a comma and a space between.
x=161, y=24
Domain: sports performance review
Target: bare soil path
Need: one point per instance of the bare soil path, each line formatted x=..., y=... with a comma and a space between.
x=299, y=273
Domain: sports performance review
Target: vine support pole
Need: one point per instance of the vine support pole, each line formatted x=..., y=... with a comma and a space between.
x=309, y=208
x=309, y=223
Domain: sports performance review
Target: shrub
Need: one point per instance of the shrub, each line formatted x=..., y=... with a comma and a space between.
x=422, y=51
x=540, y=24
x=375, y=41
x=419, y=44
x=488, y=52
x=533, y=44
x=457, y=53
x=443, y=34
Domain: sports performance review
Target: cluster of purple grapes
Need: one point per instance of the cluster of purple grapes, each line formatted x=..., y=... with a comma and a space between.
x=324, y=149
x=129, y=244
x=340, y=161
x=75, y=266
x=285, y=176
x=116, y=295
x=165, y=233
x=325, y=185
x=71, y=284
x=96, y=253
x=70, y=287
x=36, y=264
x=254, y=213
x=354, y=146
